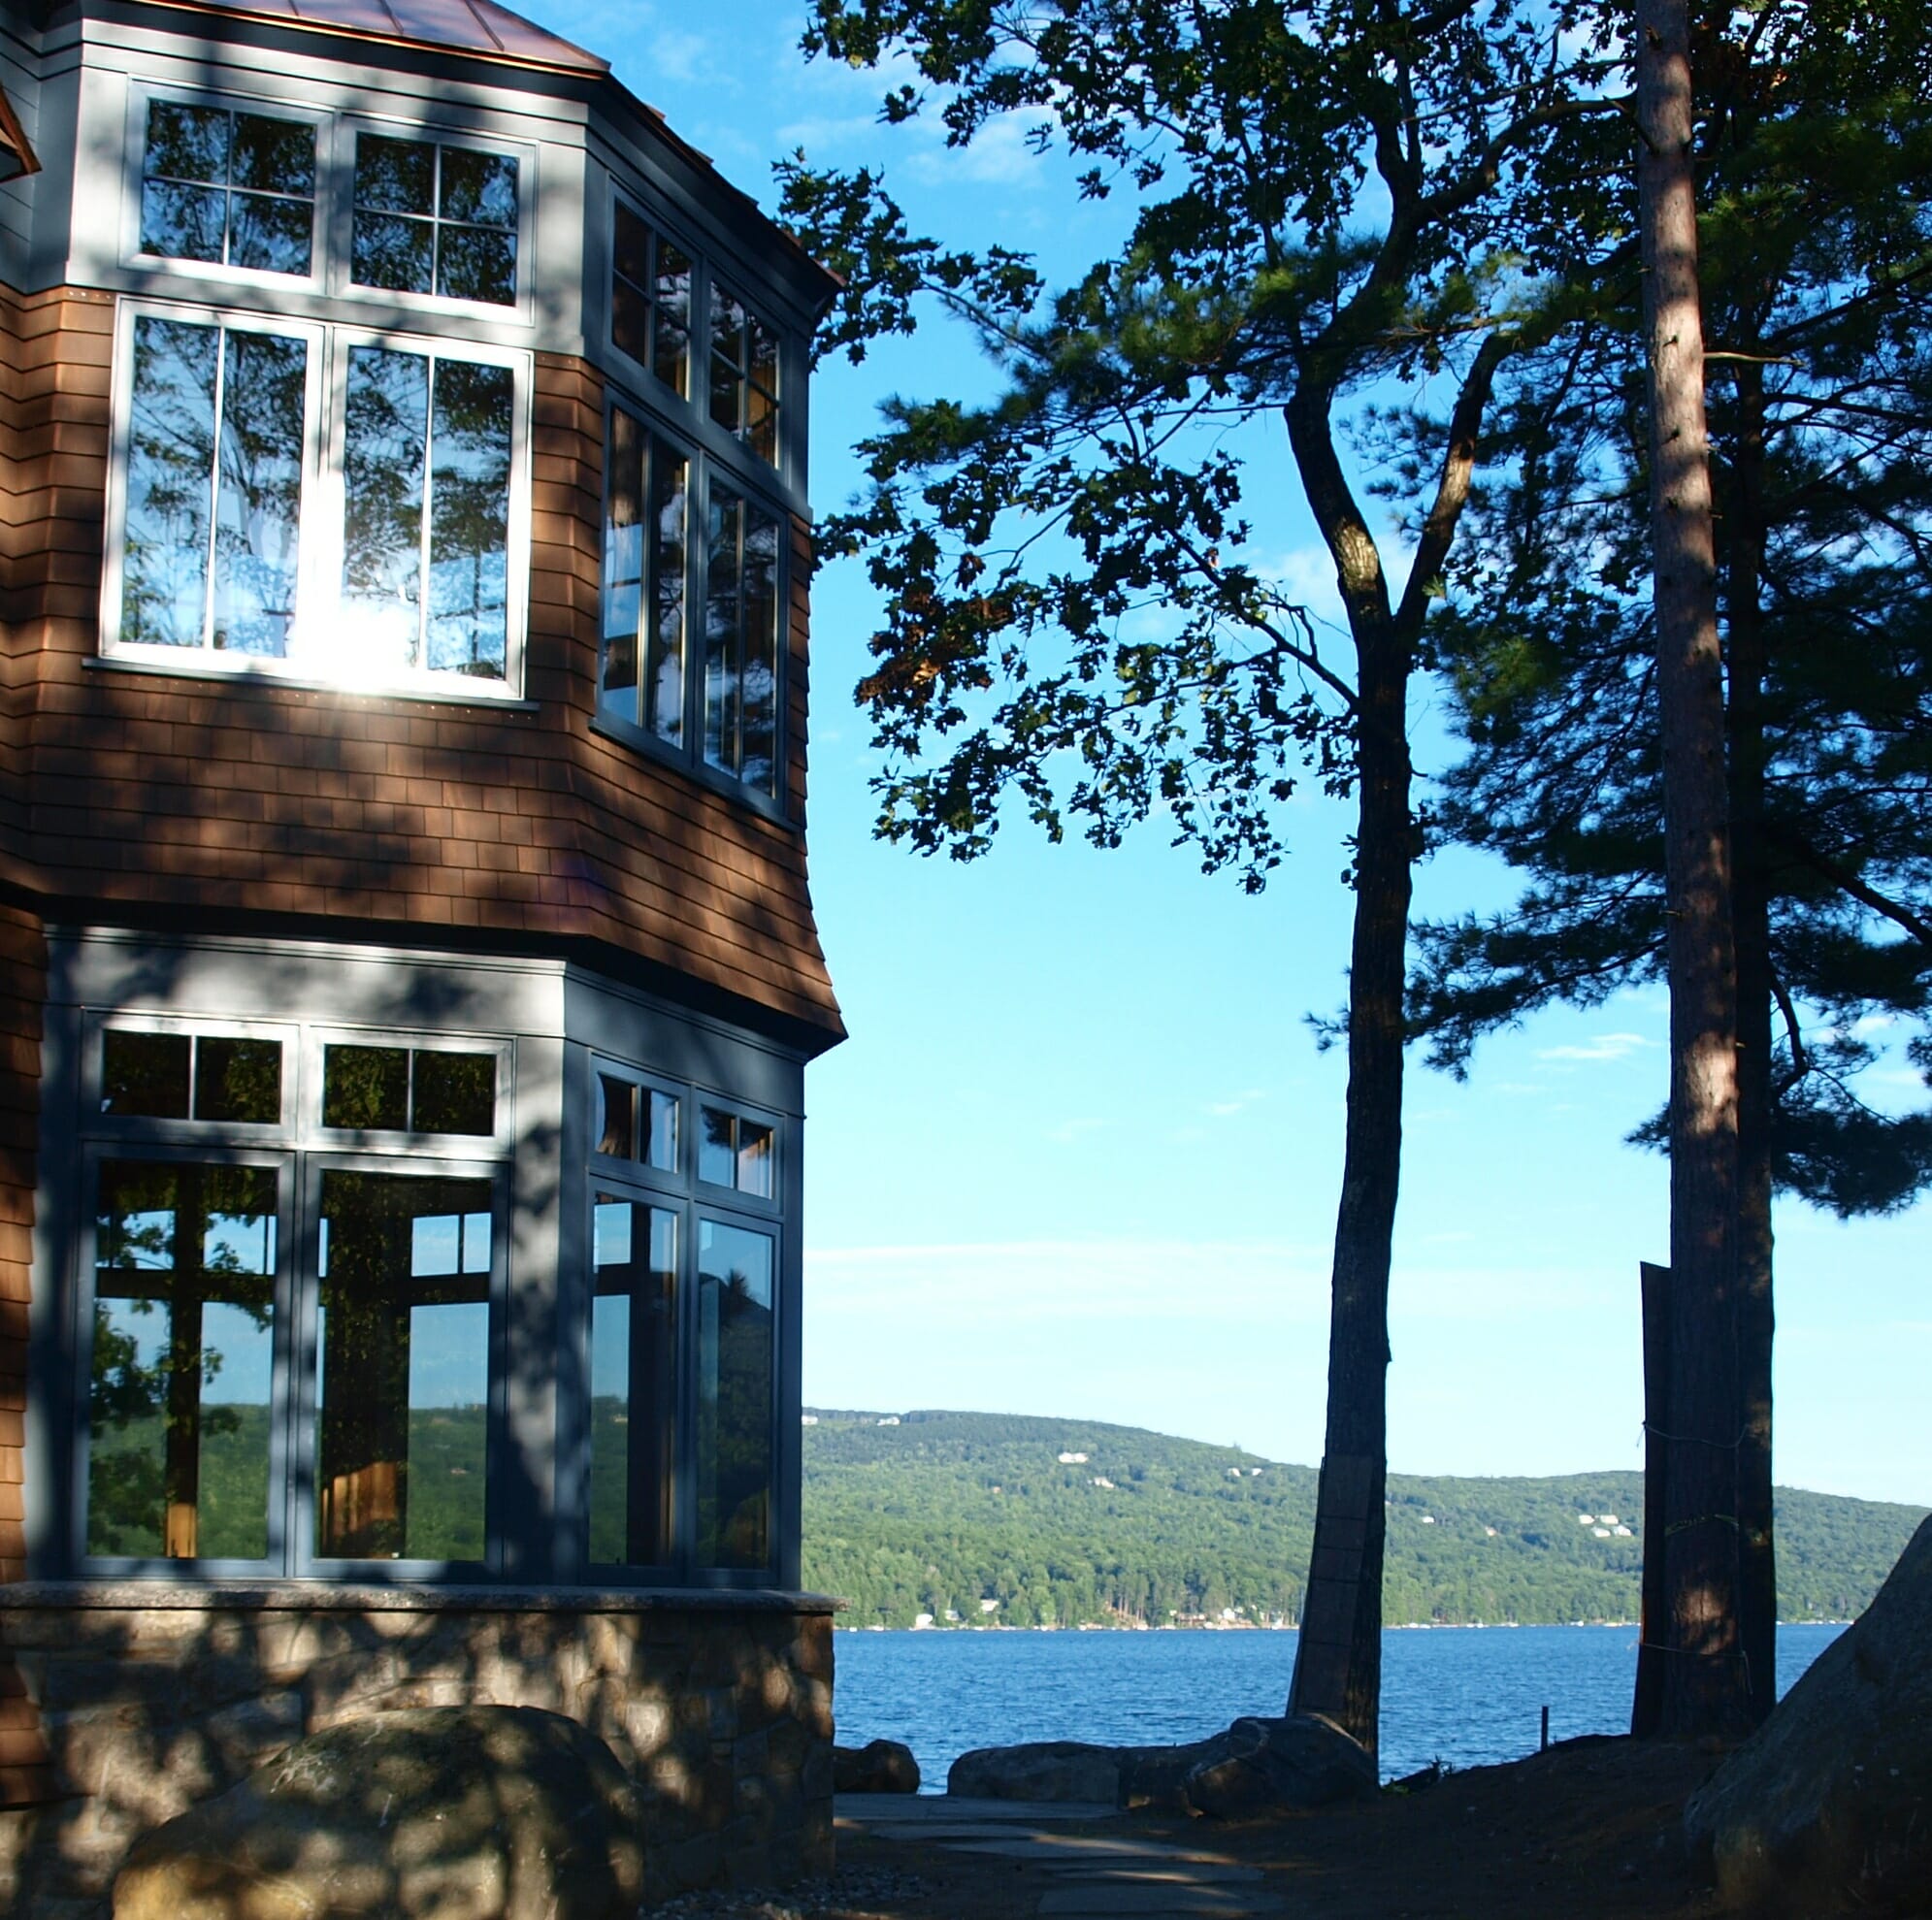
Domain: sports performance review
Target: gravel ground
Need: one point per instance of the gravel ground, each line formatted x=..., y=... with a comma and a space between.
x=851, y=1893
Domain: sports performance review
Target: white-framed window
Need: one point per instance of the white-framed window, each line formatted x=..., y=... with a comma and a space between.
x=329, y=502
x=435, y=216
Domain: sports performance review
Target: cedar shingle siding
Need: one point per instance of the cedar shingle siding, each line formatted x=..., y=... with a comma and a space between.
x=162, y=796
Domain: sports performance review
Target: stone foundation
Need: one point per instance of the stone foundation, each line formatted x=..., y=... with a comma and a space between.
x=152, y=1697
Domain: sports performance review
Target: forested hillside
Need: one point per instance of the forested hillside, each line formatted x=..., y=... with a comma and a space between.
x=943, y=1512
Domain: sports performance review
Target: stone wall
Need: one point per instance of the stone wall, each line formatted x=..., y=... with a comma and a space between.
x=152, y=1697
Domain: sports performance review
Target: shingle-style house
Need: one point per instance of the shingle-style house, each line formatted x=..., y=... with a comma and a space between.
x=407, y=966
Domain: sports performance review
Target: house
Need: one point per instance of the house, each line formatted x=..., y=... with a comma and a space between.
x=407, y=970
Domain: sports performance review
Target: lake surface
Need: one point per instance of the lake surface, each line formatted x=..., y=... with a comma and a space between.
x=1467, y=1696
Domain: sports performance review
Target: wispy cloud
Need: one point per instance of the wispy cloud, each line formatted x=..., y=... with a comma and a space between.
x=1076, y=1128
x=1605, y=1046
x=1237, y=1103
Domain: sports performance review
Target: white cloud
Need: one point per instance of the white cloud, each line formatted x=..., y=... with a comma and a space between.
x=1605, y=1046
x=1077, y=1129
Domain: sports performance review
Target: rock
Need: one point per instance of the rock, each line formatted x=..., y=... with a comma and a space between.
x=1828, y=1805
x=464, y=1812
x=1273, y=1766
x=1042, y=1769
x=880, y=1765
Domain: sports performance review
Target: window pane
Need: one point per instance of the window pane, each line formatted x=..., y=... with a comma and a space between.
x=272, y=235
x=761, y=427
x=170, y=476
x=238, y=1079
x=395, y=175
x=389, y=251
x=721, y=635
x=717, y=1147
x=402, y=1393
x=468, y=561
x=366, y=1088
x=455, y=1093
x=181, y=1362
x=631, y=247
x=664, y=1131
x=387, y=444
x=187, y=143
x=144, y=1076
x=182, y=222
x=728, y=360
x=479, y=189
x=754, y=1158
x=617, y=1117
x=258, y=502
x=735, y=1359
x=759, y=765
x=475, y=263
x=667, y=641
x=273, y=156
x=633, y=1382
x=671, y=349
x=623, y=565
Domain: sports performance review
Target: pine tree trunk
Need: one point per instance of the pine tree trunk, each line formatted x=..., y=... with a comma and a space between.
x=1751, y=913
x=1338, y=1655
x=1704, y=1689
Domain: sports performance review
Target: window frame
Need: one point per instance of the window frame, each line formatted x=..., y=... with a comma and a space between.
x=691, y=1200
x=140, y=96
x=141, y=1129
x=319, y=1036
x=283, y=1469
x=703, y=463
x=323, y=506
x=303, y=1561
x=338, y=280
x=643, y=375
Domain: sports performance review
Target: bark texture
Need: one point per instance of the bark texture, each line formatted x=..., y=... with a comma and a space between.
x=1704, y=1679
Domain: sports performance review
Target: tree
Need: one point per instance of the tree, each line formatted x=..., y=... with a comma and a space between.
x=1328, y=199
x=1816, y=146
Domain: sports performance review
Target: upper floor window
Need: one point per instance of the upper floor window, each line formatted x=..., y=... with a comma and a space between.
x=228, y=188
x=744, y=374
x=235, y=435
x=725, y=712
x=650, y=300
x=435, y=218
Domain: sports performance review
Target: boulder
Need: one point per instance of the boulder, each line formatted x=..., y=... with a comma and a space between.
x=1273, y=1766
x=1828, y=1805
x=880, y=1765
x=463, y=1812
x=1040, y=1769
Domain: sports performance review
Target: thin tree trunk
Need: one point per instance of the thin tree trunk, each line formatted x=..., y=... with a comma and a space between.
x=1704, y=1688
x=1750, y=895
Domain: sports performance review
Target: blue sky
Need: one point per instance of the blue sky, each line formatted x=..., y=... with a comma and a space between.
x=1080, y=1155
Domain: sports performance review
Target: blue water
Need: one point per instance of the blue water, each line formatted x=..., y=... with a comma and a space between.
x=1467, y=1696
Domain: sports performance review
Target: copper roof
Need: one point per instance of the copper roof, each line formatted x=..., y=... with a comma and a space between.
x=467, y=26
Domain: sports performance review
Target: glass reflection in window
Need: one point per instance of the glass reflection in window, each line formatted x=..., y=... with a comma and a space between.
x=633, y=1382
x=228, y=188
x=650, y=300
x=735, y=1362
x=214, y=502
x=742, y=642
x=735, y=1151
x=402, y=1392
x=148, y=1076
x=180, y=1365
x=744, y=374
x=434, y=219
x=426, y=466
x=400, y=1089
x=642, y=678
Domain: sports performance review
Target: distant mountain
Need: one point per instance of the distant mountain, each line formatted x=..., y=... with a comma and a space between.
x=1070, y=1521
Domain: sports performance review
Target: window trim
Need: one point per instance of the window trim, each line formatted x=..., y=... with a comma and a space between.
x=143, y=94
x=338, y=280
x=144, y=1130
x=324, y=502
x=386, y=1143
x=688, y=757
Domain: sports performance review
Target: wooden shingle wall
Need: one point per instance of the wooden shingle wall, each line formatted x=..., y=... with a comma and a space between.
x=146, y=792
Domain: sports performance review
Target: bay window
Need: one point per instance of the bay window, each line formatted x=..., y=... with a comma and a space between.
x=235, y=435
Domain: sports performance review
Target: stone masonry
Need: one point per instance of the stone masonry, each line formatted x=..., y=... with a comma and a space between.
x=152, y=1697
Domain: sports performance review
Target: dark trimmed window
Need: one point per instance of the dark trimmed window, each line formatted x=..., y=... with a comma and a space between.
x=744, y=374
x=650, y=300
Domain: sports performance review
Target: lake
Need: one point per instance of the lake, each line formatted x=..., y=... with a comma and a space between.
x=1467, y=1696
